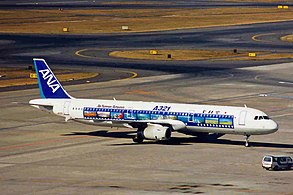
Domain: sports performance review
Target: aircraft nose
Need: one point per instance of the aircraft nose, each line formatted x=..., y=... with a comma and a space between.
x=273, y=126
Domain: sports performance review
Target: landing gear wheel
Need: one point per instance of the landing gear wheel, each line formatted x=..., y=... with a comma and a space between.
x=246, y=144
x=247, y=141
x=139, y=137
x=136, y=139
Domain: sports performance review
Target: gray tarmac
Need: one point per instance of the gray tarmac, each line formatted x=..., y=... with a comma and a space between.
x=42, y=154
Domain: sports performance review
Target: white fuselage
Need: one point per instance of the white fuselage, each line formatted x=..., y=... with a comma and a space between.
x=196, y=118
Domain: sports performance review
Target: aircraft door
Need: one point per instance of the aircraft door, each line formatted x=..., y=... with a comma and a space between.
x=66, y=108
x=191, y=116
x=242, y=117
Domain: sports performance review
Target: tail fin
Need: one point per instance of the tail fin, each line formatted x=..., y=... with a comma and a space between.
x=48, y=83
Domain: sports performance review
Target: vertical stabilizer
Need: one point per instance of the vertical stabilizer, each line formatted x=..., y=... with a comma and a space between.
x=49, y=85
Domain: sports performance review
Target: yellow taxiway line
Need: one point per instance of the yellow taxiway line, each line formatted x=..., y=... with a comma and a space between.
x=255, y=37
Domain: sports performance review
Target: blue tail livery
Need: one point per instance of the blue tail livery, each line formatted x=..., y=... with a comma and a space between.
x=49, y=85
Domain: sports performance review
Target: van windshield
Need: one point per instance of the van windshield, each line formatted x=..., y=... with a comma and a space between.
x=267, y=159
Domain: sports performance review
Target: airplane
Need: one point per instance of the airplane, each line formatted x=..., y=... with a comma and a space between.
x=153, y=120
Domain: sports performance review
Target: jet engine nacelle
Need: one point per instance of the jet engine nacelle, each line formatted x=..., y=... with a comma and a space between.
x=157, y=132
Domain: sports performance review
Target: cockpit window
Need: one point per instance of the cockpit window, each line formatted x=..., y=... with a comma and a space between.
x=266, y=117
x=261, y=118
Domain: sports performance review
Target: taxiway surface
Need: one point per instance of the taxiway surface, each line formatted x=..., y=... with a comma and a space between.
x=126, y=4
x=94, y=49
x=42, y=154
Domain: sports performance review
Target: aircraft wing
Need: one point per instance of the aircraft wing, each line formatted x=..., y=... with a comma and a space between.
x=175, y=124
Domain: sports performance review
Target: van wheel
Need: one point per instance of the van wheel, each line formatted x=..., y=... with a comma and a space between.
x=276, y=168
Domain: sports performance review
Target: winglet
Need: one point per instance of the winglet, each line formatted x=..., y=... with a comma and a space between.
x=49, y=85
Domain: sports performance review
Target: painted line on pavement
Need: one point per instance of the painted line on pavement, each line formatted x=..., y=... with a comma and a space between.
x=134, y=74
x=255, y=37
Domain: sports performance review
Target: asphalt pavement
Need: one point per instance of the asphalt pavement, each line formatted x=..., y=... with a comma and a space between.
x=61, y=49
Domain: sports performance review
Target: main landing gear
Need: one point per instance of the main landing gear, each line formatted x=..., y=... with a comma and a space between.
x=139, y=136
x=137, y=139
x=247, y=140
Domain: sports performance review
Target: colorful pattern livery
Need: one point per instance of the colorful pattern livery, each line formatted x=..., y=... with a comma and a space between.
x=190, y=119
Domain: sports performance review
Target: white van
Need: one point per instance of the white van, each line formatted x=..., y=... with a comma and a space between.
x=270, y=162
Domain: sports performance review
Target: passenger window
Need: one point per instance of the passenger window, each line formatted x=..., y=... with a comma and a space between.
x=256, y=118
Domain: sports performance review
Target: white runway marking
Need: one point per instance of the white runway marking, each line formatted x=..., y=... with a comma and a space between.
x=5, y=165
x=282, y=115
x=284, y=82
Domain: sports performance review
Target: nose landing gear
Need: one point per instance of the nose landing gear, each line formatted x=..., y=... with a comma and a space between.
x=247, y=140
